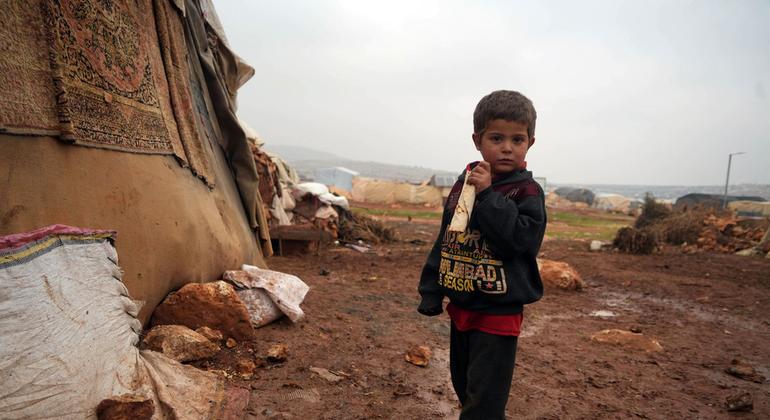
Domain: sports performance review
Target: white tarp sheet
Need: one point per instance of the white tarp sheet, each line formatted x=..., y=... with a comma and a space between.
x=68, y=334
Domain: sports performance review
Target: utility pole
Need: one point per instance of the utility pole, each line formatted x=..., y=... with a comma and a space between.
x=727, y=179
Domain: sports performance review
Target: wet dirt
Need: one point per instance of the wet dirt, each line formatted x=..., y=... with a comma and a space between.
x=704, y=309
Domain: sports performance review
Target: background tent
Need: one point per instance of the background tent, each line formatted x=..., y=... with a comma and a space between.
x=123, y=118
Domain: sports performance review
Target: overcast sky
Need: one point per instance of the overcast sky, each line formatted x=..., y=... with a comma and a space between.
x=627, y=92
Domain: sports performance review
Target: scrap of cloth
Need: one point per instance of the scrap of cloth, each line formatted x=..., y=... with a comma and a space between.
x=108, y=76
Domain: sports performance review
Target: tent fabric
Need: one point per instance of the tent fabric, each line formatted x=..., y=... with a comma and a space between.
x=218, y=66
x=174, y=228
x=390, y=192
x=69, y=334
x=751, y=208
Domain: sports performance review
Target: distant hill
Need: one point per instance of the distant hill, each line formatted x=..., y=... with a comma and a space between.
x=306, y=160
x=297, y=153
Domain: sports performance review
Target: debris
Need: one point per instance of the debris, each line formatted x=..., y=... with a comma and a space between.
x=277, y=353
x=742, y=401
x=180, y=343
x=597, y=245
x=262, y=309
x=230, y=343
x=325, y=374
x=214, y=305
x=603, y=314
x=359, y=248
x=357, y=226
x=627, y=339
x=245, y=368
x=418, y=355
x=635, y=241
x=215, y=336
x=560, y=274
x=285, y=290
x=125, y=407
x=743, y=370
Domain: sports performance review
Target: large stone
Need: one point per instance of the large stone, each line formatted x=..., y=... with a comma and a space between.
x=627, y=339
x=180, y=343
x=215, y=305
x=125, y=407
x=560, y=275
x=744, y=370
x=418, y=355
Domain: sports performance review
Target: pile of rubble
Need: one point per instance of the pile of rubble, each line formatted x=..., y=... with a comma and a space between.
x=694, y=230
x=726, y=234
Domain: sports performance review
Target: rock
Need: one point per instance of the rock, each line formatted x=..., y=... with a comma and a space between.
x=180, y=343
x=742, y=401
x=236, y=400
x=635, y=330
x=215, y=305
x=325, y=374
x=230, y=343
x=125, y=407
x=560, y=274
x=215, y=336
x=596, y=245
x=418, y=355
x=749, y=252
x=277, y=353
x=245, y=368
x=742, y=369
x=627, y=339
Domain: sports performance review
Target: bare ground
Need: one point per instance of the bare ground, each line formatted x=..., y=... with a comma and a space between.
x=705, y=310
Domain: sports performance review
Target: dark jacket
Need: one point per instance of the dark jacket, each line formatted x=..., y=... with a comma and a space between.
x=491, y=267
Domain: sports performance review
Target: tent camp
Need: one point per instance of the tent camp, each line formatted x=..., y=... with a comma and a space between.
x=121, y=116
x=380, y=191
x=713, y=201
x=339, y=177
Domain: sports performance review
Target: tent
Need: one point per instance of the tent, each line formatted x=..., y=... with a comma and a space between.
x=380, y=191
x=121, y=116
x=339, y=177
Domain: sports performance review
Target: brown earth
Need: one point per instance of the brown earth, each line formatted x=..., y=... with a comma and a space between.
x=704, y=309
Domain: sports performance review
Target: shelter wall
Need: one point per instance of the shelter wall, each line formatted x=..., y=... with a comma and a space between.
x=172, y=229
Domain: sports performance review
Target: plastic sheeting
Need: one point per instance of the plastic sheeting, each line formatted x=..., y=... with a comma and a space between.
x=285, y=290
x=390, y=192
x=69, y=333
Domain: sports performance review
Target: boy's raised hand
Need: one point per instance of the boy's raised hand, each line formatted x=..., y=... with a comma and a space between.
x=481, y=176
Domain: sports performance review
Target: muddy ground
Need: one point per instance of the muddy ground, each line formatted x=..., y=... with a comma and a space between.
x=704, y=309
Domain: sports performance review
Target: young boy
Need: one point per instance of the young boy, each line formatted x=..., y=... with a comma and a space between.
x=489, y=272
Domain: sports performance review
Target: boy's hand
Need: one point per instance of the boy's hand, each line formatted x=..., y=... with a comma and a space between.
x=481, y=176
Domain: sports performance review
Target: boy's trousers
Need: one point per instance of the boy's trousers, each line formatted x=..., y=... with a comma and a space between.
x=481, y=365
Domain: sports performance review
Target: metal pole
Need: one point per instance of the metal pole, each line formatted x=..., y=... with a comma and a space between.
x=727, y=180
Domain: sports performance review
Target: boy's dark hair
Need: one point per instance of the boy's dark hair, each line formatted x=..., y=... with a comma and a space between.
x=507, y=105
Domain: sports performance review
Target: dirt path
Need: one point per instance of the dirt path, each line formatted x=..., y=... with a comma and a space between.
x=705, y=309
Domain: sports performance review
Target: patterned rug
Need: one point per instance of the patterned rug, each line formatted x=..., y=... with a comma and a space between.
x=109, y=77
x=27, y=102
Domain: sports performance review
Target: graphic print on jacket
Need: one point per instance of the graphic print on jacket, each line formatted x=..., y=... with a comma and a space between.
x=491, y=267
x=467, y=264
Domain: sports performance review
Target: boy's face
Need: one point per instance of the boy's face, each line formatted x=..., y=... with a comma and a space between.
x=504, y=144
